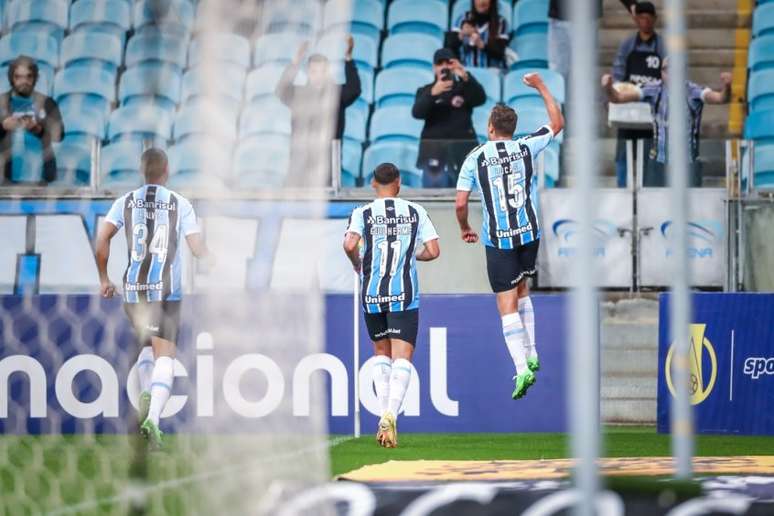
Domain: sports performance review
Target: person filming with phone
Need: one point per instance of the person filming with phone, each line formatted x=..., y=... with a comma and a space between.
x=446, y=105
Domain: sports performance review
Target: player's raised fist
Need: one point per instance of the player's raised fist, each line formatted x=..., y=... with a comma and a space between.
x=469, y=236
x=533, y=80
x=607, y=80
x=107, y=289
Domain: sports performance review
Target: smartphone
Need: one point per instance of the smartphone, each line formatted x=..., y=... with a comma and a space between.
x=447, y=75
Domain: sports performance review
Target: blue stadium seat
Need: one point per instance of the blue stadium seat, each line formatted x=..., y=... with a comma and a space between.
x=73, y=164
x=402, y=154
x=199, y=163
x=489, y=78
x=763, y=20
x=140, y=122
x=89, y=87
x=355, y=125
x=205, y=119
x=150, y=83
x=550, y=157
x=365, y=54
x=409, y=50
x=763, y=161
x=39, y=16
x=480, y=122
x=761, y=53
x=262, y=81
x=351, y=157
x=395, y=123
x=279, y=48
x=41, y=47
x=398, y=86
x=170, y=16
x=227, y=48
x=532, y=50
x=503, y=9
x=83, y=125
x=120, y=165
x=45, y=84
x=366, y=87
x=92, y=48
x=426, y=17
x=152, y=46
x=304, y=17
x=226, y=88
x=514, y=88
x=364, y=17
x=761, y=90
x=251, y=167
x=530, y=17
x=106, y=16
x=269, y=116
x=758, y=125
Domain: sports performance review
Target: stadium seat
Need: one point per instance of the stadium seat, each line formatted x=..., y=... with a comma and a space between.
x=41, y=47
x=763, y=20
x=763, y=161
x=398, y=86
x=758, y=125
x=426, y=17
x=402, y=154
x=205, y=119
x=120, y=165
x=760, y=90
x=170, y=16
x=355, y=125
x=262, y=81
x=73, y=164
x=460, y=7
x=83, y=124
x=351, y=157
x=226, y=88
x=223, y=47
x=140, y=122
x=531, y=119
x=276, y=48
x=532, y=50
x=269, y=116
x=480, y=122
x=550, y=158
x=251, y=167
x=45, y=84
x=395, y=123
x=365, y=54
x=530, y=17
x=39, y=16
x=515, y=89
x=409, y=50
x=150, y=83
x=303, y=18
x=88, y=87
x=489, y=78
x=152, y=46
x=761, y=53
x=199, y=163
x=366, y=87
x=106, y=16
x=92, y=48
x=364, y=17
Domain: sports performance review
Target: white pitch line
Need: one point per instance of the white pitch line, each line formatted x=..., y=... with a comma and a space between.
x=134, y=492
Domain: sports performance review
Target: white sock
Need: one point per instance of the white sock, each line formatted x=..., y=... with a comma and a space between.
x=527, y=314
x=145, y=368
x=161, y=386
x=399, y=382
x=515, y=336
x=381, y=374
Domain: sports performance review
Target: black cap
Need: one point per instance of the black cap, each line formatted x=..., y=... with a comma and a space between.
x=645, y=8
x=443, y=54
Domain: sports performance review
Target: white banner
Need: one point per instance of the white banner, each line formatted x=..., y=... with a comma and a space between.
x=706, y=237
x=612, y=249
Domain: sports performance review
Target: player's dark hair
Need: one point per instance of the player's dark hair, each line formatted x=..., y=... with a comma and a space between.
x=153, y=164
x=386, y=174
x=503, y=120
x=25, y=61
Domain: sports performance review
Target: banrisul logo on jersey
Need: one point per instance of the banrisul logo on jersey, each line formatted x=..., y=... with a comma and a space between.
x=704, y=238
x=566, y=230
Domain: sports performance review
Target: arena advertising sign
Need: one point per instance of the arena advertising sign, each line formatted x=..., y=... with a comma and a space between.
x=66, y=365
x=731, y=361
x=612, y=248
x=706, y=236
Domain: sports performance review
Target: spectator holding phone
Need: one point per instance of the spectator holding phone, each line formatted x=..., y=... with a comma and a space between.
x=480, y=35
x=30, y=123
x=446, y=105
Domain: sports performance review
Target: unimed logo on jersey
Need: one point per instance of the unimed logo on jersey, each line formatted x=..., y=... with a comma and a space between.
x=703, y=237
x=703, y=364
x=566, y=230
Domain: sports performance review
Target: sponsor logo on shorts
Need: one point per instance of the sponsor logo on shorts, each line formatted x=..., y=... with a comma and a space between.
x=386, y=299
x=132, y=287
x=507, y=233
x=388, y=331
x=756, y=367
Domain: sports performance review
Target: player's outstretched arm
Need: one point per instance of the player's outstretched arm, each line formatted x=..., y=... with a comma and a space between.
x=430, y=251
x=618, y=97
x=351, y=243
x=555, y=116
x=461, y=208
x=102, y=253
x=722, y=96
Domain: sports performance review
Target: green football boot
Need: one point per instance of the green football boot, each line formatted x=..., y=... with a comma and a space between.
x=151, y=432
x=521, y=383
x=534, y=364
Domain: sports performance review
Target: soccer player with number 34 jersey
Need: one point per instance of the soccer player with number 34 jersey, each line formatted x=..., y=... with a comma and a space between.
x=503, y=170
x=395, y=234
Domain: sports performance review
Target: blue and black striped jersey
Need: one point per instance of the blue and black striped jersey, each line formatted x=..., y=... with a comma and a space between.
x=155, y=219
x=504, y=172
x=392, y=230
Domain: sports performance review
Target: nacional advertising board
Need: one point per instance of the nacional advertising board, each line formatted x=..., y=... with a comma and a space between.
x=731, y=359
x=66, y=365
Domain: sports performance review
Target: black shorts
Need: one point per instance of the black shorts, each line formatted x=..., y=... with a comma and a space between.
x=159, y=319
x=393, y=325
x=507, y=267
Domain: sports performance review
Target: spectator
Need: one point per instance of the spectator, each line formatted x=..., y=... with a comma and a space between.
x=559, y=44
x=446, y=106
x=308, y=114
x=638, y=61
x=471, y=37
x=656, y=94
x=30, y=123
